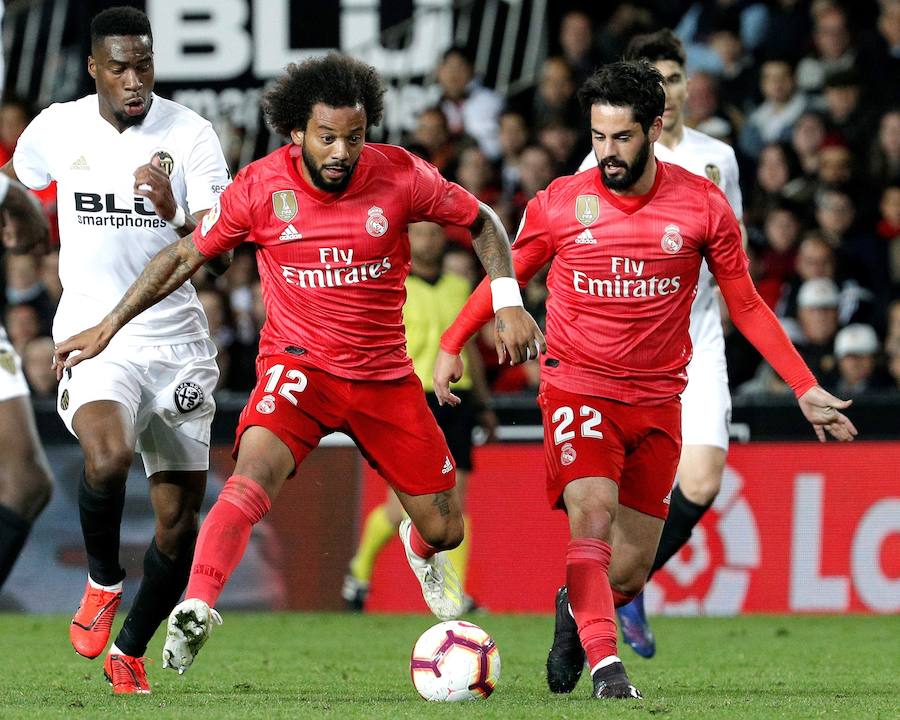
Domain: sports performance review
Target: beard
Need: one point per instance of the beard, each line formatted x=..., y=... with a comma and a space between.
x=319, y=180
x=632, y=172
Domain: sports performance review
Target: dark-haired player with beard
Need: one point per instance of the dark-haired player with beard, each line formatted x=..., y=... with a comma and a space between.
x=625, y=244
x=328, y=214
x=134, y=172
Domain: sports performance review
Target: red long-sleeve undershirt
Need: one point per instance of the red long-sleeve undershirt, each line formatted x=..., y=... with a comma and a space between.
x=748, y=312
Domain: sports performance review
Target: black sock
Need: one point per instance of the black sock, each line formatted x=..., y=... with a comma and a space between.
x=164, y=581
x=101, y=519
x=683, y=516
x=13, y=531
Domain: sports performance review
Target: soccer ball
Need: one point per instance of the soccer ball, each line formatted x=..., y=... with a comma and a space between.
x=455, y=661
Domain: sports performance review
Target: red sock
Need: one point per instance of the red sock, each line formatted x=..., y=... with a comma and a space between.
x=224, y=536
x=590, y=595
x=419, y=546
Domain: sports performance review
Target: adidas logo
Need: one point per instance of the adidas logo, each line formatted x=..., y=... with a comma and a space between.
x=290, y=233
x=585, y=238
x=80, y=164
x=448, y=466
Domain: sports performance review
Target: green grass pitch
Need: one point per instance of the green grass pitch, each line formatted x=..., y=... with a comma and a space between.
x=356, y=666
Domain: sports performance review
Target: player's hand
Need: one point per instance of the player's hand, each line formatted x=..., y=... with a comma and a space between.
x=517, y=335
x=447, y=369
x=152, y=182
x=822, y=409
x=84, y=345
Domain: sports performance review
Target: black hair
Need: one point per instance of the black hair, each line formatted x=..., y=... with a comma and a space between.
x=653, y=47
x=335, y=80
x=628, y=83
x=120, y=21
x=461, y=51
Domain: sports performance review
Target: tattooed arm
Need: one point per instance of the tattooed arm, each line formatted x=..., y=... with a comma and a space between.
x=165, y=273
x=491, y=243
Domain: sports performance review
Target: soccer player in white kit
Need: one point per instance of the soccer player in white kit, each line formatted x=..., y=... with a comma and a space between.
x=134, y=172
x=25, y=481
x=706, y=402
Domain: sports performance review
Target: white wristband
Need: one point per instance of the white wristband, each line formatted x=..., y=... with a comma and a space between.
x=179, y=219
x=505, y=293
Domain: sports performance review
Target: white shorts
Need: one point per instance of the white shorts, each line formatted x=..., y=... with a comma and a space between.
x=168, y=391
x=12, y=379
x=706, y=402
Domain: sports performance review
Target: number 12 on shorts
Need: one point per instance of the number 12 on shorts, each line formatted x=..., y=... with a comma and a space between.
x=565, y=416
x=287, y=389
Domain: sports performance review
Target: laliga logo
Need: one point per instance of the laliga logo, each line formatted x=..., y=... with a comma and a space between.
x=711, y=574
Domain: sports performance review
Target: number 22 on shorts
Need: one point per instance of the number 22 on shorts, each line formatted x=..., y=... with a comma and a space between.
x=287, y=389
x=565, y=416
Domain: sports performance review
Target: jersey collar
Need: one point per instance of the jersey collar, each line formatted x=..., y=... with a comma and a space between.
x=630, y=204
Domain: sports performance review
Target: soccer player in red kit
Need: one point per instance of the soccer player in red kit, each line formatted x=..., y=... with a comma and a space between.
x=328, y=214
x=625, y=243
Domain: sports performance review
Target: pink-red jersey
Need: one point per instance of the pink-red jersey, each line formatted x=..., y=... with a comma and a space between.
x=623, y=276
x=333, y=265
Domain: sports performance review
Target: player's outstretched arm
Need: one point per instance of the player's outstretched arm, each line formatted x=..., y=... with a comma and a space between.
x=760, y=326
x=518, y=333
x=166, y=272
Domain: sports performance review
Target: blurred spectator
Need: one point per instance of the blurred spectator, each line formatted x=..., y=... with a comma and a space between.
x=469, y=107
x=777, y=166
x=845, y=110
x=807, y=137
x=476, y=175
x=737, y=76
x=888, y=231
x=832, y=51
x=703, y=111
x=37, y=360
x=892, y=350
x=782, y=234
x=562, y=142
x=513, y=138
x=15, y=114
x=789, y=27
x=23, y=285
x=881, y=50
x=576, y=42
x=893, y=321
x=627, y=19
x=552, y=99
x=431, y=138
x=48, y=273
x=835, y=165
x=774, y=119
x=536, y=171
x=23, y=323
x=815, y=259
x=856, y=348
x=817, y=320
x=884, y=155
x=460, y=261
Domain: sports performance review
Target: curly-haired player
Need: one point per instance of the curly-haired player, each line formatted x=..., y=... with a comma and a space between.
x=328, y=214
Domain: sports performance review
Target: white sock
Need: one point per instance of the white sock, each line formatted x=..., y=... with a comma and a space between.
x=114, y=650
x=604, y=662
x=108, y=588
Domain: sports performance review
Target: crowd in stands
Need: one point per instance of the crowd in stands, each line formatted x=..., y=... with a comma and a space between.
x=808, y=94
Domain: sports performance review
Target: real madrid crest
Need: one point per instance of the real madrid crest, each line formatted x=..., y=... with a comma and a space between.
x=376, y=224
x=713, y=173
x=166, y=162
x=671, y=240
x=284, y=203
x=587, y=209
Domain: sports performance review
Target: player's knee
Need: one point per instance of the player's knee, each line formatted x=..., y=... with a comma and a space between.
x=444, y=535
x=590, y=519
x=701, y=488
x=106, y=470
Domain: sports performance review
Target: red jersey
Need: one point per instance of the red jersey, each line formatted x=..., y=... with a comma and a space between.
x=333, y=265
x=623, y=276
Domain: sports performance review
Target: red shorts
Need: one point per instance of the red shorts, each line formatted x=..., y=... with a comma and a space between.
x=635, y=446
x=388, y=419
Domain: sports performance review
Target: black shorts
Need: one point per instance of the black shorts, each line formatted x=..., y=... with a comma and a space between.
x=457, y=423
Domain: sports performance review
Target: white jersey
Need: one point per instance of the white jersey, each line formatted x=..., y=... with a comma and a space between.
x=107, y=233
x=710, y=158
